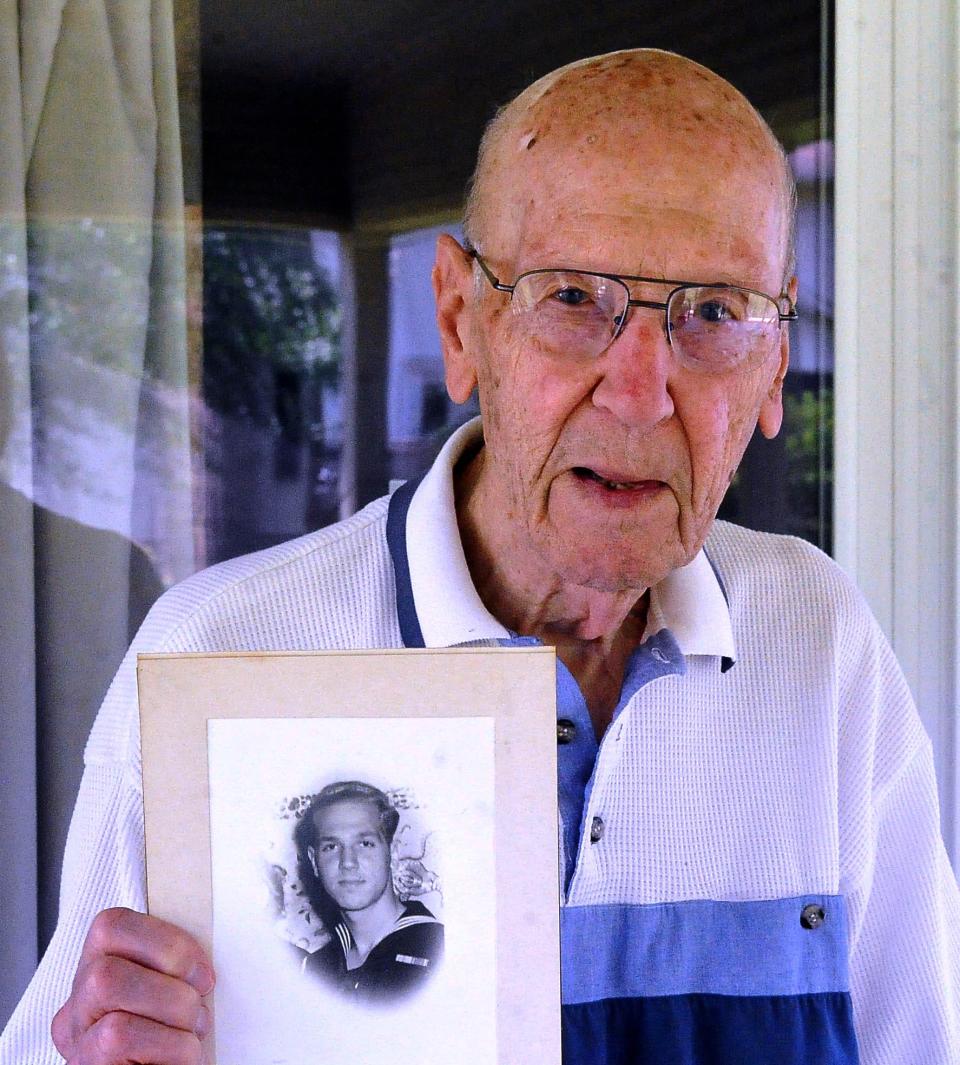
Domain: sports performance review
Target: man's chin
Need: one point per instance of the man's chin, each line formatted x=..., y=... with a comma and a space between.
x=350, y=907
x=616, y=551
x=351, y=900
x=610, y=571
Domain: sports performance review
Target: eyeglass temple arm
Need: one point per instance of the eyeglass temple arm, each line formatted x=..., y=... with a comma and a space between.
x=488, y=273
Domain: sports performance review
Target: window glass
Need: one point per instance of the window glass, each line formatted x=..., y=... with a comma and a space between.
x=420, y=415
x=273, y=412
x=202, y=361
x=786, y=485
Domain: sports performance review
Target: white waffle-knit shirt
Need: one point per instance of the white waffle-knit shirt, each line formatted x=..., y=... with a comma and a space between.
x=802, y=769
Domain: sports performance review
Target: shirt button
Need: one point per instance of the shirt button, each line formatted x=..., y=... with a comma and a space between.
x=566, y=730
x=812, y=915
x=596, y=830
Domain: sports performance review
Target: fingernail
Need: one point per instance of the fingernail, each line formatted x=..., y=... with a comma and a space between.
x=203, y=1022
x=201, y=978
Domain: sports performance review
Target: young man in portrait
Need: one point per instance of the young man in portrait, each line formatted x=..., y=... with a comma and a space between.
x=380, y=947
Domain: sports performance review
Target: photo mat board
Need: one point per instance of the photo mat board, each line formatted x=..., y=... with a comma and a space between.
x=462, y=742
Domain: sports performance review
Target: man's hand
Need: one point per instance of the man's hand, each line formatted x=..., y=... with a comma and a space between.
x=136, y=995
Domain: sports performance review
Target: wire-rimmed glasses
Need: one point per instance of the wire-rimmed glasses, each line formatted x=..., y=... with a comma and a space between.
x=577, y=314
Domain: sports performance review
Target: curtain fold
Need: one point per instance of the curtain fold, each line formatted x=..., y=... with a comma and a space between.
x=95, y=465
x=18, y=825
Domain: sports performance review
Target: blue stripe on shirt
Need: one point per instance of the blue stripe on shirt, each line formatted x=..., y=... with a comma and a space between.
x=397, y=543
x=703, y=947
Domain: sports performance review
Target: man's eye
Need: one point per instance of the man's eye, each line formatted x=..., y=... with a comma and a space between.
x=572, y=297
x=715, y=311
x=367, y=843
x=326, y=848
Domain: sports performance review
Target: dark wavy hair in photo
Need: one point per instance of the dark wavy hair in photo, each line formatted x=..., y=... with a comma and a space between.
x=304, y=836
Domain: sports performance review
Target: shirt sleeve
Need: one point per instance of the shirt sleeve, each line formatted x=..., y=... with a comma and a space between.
x=905, y=961
x=228, y=607
x=903, y=900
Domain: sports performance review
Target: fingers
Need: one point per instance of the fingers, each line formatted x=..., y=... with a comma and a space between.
x=106, y=984
x=136, y=994
x=123, y=1039
x=149, y=942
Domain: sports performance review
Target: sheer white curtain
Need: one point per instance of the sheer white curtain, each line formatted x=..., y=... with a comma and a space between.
x=95, y=464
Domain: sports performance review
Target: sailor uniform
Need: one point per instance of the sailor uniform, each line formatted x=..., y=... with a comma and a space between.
x=401, y=963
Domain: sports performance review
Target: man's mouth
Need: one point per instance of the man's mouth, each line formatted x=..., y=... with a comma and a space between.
x=615, y=484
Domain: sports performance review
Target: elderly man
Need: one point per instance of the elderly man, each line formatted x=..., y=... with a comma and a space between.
x=752, y=865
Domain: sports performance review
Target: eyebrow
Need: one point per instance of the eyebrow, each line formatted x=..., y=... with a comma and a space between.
x=359, y=835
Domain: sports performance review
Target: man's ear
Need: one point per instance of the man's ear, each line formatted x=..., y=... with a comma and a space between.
x=771, y=409
x=453, y=287
x=312, y=856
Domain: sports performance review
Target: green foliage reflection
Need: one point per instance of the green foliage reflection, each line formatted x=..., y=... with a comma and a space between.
x=269, y=311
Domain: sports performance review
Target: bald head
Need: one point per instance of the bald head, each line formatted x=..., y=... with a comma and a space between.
x=647, y=110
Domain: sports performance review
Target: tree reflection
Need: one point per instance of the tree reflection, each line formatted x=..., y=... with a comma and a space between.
x=270, y=371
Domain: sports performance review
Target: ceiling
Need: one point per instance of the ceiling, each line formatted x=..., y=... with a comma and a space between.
x=767, y=46
x=385, y=100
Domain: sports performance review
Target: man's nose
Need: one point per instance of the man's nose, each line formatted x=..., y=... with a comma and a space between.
x=348, y=858
x=636, y=372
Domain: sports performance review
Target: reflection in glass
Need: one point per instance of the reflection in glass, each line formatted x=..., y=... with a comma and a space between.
x=273, y=428
x=420, y=415
x=785, y=485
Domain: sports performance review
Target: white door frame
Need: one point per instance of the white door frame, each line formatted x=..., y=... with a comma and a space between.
x=897, y=327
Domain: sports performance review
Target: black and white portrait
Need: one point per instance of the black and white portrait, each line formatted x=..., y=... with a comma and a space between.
x=352, y=865
x=365, y=907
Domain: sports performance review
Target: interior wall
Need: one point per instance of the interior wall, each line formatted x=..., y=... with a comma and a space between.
x=275, y=150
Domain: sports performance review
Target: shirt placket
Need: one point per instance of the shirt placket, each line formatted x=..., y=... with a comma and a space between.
x=658, y=657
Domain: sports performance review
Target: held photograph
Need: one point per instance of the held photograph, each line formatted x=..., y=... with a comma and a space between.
x=345, y=855
x=354, y=860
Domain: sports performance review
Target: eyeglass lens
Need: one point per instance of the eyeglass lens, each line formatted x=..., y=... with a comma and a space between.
x=577, y=315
